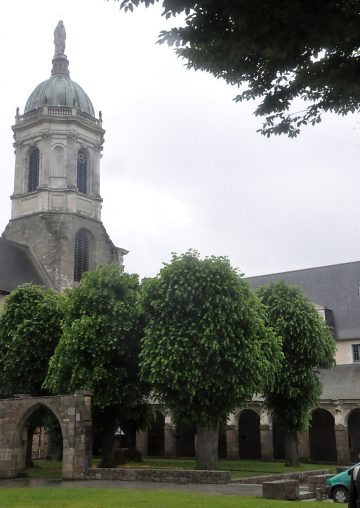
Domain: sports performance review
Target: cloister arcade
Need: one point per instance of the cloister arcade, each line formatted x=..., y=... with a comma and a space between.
x=251, y=433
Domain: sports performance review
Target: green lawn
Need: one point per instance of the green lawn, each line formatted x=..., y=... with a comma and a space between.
x=103, y=498
x=238, y=468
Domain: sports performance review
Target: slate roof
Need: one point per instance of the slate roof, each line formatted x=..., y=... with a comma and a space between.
x=17, y=266
x=341, y=382
x=335, y=287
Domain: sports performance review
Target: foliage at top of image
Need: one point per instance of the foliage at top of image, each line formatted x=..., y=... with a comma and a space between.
x=299, y=58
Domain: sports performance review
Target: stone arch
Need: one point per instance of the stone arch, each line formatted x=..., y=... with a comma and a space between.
x=73, y=413
x=156, y=435
x=20, y=435
x=322, y=436
x=354, y=434
x=249, y=434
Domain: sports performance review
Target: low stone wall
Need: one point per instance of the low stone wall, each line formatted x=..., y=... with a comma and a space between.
x=318, y=482
x=159, y=475
x=302, y=477
x=281, y=489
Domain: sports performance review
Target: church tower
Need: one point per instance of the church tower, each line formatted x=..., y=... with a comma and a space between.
x=56, y=204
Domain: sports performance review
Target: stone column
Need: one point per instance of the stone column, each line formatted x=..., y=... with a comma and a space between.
x=304, y=446
x=169, y=438
x=266, y=436
x=142, y=442
x=232, y=438
x=341, y=437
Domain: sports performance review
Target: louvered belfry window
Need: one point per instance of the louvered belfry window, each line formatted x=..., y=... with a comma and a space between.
x=82, y=170
x=81, y=254
x=34, y=162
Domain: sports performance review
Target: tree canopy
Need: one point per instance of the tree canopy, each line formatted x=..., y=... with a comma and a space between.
x=308, y=344
x=300, y=58
x=30, y=328
x=99, y=349
x=206, y=348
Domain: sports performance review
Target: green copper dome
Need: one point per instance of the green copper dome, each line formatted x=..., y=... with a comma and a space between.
x=59, y=90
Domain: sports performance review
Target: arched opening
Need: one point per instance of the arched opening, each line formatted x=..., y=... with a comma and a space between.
x=82, y=252
x=82, y=171
x=185, y=441
x=156, y=436
x=278, y=441
x=33, y=173
x=249, y=435
x=354, y=434
x=40, y=443
x=322, y=436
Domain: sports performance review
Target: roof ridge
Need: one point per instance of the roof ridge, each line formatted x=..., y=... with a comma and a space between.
x=303, y=269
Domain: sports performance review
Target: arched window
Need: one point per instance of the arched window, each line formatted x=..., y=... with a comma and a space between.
x=81, y=264
x=34, y=161
x=82, y=170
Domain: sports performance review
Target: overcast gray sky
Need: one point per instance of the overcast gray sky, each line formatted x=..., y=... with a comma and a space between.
x=183, y=166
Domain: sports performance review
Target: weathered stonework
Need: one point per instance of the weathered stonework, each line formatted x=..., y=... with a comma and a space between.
x=74, y=415
x=281, y=489
x=159, y=475
x=51, y=238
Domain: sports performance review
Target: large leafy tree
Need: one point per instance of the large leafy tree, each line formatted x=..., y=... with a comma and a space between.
x=206, y=348
x=99, y=350
x=30, y=328
x=308, y=344
x=279, y=52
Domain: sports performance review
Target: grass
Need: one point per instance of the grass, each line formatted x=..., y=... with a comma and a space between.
x=115, y=498
x=238, y=468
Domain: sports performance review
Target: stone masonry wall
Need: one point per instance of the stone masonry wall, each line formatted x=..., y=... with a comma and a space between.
x=159, y=475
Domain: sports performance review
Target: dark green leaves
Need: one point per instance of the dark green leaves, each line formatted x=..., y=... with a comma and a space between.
x=283, y=52
x=206, y=348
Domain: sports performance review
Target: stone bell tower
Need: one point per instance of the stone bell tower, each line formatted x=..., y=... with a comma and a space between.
x=56, y=204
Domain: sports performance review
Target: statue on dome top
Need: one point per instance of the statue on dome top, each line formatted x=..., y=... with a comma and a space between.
x=59, y=38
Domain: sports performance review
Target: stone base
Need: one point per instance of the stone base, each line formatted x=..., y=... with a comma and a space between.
x=281, y=489
x=159, y=475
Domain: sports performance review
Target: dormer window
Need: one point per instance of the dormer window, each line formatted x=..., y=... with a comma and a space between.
x=34, y=163
x=82, y=171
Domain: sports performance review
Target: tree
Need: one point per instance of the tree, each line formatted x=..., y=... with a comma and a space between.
x=99, y=350
x=206, y=349
x=30, y=328
x=308, y=344
x=283, y=51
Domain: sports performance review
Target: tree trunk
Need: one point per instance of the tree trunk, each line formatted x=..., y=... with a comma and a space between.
x=108, y=441
x=207, y=437
x=291, y=449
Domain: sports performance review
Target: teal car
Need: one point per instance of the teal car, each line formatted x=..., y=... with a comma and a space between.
x=337, y=487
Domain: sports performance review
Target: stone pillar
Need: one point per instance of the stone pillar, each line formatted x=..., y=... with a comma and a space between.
x=142, y=442
x=341, y=437
x=169, y=438
x=304, y=446
x=266, y=436
x=342, y=445
x=232, y=438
